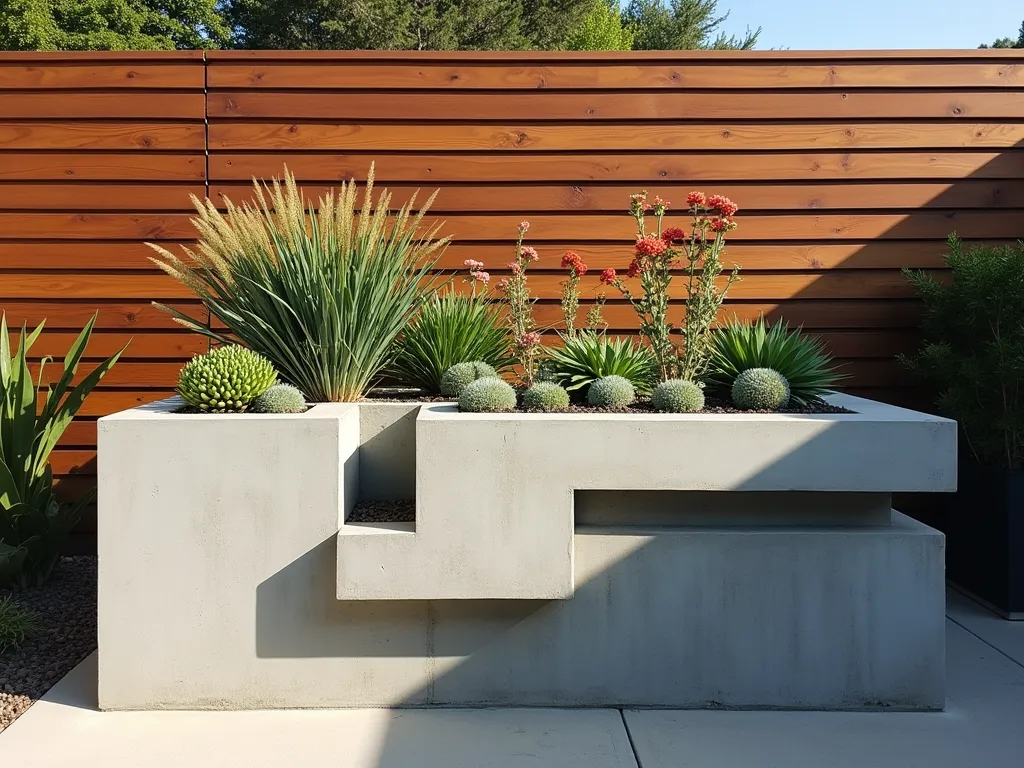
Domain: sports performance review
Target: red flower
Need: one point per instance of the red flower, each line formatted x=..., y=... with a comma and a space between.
x=696, y=199
x=572, y=261
x=719, y=224
x=635, y=267
x=650, y=246
x=671, y=234
x=608, y=277
x=723, y=205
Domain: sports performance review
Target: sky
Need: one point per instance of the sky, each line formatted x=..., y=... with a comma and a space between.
x=831, y=24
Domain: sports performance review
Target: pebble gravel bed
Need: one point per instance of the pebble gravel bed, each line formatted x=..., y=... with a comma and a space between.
x=383, y=512
x=66, y=608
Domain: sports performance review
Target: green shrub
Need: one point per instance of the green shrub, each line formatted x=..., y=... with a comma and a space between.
x=321, y=293
x=588, y=356
x=33, y=525
x=279, y=398
x=546, y=396
x=487, y=395
x=800, y=358
x=226, y=379
x=456, y=378
x=16, y=625
x=760, y=389
x=450, y=328
x=677, y=396
x=611, y=392
x=973, y=355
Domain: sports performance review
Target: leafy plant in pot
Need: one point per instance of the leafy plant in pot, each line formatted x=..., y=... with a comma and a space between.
x=973, y=358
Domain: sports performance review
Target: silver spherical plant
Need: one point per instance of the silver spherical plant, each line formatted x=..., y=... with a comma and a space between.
x=456, y=378
x=487, y=395
x=226, y=379
x=280, y=398
x=546, y=396
x=760, y=389
x=611, y=392
x=677, y=396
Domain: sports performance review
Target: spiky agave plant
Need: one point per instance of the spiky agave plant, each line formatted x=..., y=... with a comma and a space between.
x=320, y=292
x=801, y=359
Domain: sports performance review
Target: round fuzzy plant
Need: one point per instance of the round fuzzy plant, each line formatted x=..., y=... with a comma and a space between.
x=456, y=378
x=280, y=398
x=487, y=395
x=677, y=396
x=760, y=389
x=226, y=379
x=611, y=392
x=546, y=396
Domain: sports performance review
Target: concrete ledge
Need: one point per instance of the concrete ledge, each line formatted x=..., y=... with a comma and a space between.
x=495, y=492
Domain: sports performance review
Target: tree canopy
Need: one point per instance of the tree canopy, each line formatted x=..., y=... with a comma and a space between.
x=110, y=25
x=439, y=25
x=1008, y=42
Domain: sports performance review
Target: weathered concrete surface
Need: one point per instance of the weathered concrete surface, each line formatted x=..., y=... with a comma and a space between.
x=387, y=450
x=495, y=492
x=220, y=563
x=979, y=729
x=64, y=729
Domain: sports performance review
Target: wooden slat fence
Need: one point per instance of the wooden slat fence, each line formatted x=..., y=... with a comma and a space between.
x=846, y=165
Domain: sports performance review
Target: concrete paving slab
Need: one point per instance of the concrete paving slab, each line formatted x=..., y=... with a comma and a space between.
x=65, y=728
x=1007, y=636
x=980, y=727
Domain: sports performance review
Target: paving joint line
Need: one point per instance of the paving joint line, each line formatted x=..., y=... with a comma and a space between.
x=986, y=642
x=632, y=744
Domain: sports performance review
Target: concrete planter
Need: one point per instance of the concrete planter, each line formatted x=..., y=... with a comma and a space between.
x=567, y=560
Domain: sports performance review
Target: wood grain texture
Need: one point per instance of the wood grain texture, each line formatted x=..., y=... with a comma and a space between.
x=640, y=169
x=74, y=104
x=472, y=197
x=36, y=73
x=55, y=196
x=611, y=137
x=102, y=135
x=652, y=74
x=592, y=106
x=47, y=166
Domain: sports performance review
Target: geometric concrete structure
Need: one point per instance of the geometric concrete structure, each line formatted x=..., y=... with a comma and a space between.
x=556, y=560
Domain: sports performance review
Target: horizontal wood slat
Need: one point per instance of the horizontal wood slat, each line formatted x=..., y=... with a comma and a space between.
x=149, y=106
x=612, y=137
x=811, y=196
x=833, y=104
x=44, y=166
x=640, y=169
x=584, y=75
x=55, y=196
x=113, y=136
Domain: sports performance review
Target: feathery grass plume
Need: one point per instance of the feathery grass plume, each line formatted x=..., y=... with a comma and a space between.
x=319, y=292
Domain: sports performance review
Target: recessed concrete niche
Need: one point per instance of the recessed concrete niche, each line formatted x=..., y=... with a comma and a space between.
x=565, y=560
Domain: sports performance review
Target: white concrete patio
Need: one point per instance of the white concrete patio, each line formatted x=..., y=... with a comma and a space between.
x=983, y=727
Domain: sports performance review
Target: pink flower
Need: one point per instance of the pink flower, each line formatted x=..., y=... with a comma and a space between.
x=524, y=226
x=661, y=204
x=503, y=284
x=515, y=268
x=481, y=276
x=696, y=200
x=529, y=252
x=607, y=277
x=473, y=264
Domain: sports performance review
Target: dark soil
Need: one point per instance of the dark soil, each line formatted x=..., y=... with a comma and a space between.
x=393, y=511
x=66, y=608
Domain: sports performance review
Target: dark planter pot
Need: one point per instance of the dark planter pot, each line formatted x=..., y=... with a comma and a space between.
x=985, y=536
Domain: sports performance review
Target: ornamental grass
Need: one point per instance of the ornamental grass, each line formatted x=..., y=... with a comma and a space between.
x=320, y=291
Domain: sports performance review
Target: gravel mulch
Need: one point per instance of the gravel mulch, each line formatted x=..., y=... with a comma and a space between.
x=383, y=512
x=711, y=405
x=66, y=608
